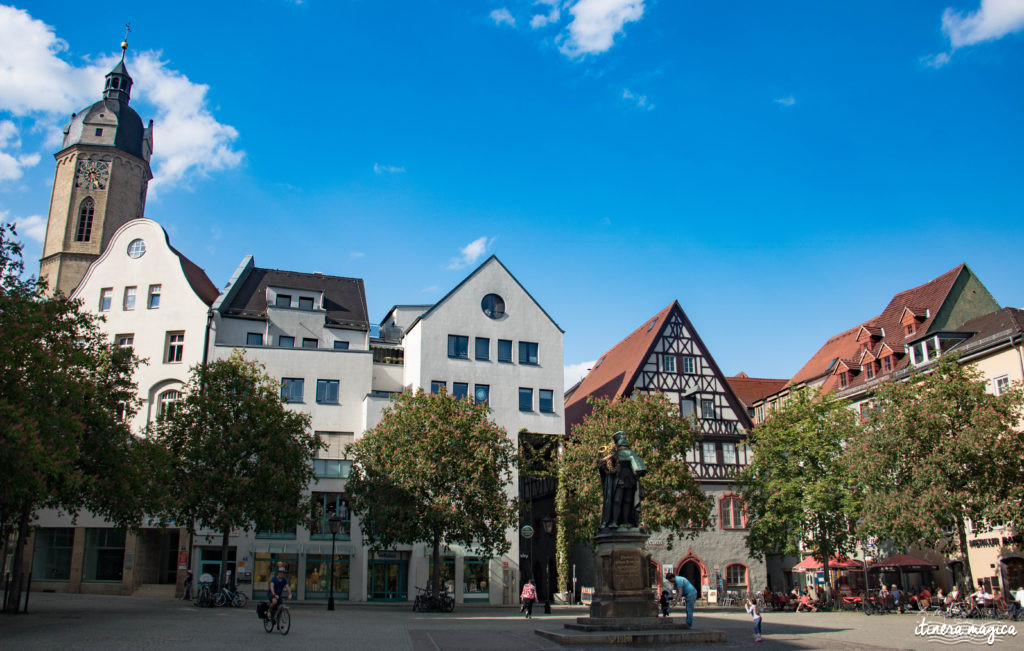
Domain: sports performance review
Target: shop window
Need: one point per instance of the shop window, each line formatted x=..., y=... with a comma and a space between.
x=447, y=573
x=51, y=558
x=266, y=565
x=475, y=579
x=318, y=573
x=104, y=555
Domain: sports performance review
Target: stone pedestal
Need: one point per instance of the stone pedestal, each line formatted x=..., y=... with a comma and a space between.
x=625, y=577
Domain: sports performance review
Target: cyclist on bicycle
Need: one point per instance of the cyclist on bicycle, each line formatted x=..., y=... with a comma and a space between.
x=278, y=591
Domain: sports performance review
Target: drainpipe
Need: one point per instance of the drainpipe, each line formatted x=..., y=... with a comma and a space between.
x=206, y=339
x=1020, y=357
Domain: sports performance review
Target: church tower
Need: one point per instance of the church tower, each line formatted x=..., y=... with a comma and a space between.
x=101, y=180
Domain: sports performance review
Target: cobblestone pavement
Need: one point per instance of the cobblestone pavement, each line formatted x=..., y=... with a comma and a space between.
x=99, y=622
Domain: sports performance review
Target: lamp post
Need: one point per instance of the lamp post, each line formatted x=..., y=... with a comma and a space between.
x=548, y=523
x=335, y=523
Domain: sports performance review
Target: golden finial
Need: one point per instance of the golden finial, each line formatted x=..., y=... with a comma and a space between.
x=124, y=43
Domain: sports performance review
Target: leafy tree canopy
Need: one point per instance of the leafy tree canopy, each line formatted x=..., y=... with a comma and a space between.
x=236, y=456
x=435, y=469
x=939, y=449
x=796, y=487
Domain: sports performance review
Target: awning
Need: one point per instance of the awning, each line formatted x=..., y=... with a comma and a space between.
x=810, y=564
x=903, y=563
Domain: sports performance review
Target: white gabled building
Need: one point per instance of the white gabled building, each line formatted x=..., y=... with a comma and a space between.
x=155, y=300
x=487, y=339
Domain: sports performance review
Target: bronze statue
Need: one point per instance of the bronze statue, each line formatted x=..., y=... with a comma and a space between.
x=620, y=470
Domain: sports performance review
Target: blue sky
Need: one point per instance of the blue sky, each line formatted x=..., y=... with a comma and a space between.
x=779, y=168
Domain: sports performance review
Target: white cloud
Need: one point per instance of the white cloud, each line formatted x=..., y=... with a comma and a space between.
x=11, y=164
x=470, y=253
x=32, y=227
x=994, y=19
x=576, y=372
x=355, y=255
x=595, y=24
x=35, y=81
x=640, y=100
x=936, y=60
x=789, y=100
x=503, y=17
x=387, y=169
x=428, y=290
x=552, y=16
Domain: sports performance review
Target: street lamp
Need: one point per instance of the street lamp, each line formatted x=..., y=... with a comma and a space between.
x=335, y=523
x=548, y=523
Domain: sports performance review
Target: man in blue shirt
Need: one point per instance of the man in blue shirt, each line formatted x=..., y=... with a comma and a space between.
x=278, y=591
x=686, y=588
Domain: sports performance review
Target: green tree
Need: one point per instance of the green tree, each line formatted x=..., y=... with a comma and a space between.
x=795, y=488
x=66, y=394
x=435, y=470
x=937, y=450
x=673, y=501
x=236, y=456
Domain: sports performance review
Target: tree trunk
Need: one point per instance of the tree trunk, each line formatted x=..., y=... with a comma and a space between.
x=17, y=575
x=435, y=580
x=224, y=561
x=961, y=531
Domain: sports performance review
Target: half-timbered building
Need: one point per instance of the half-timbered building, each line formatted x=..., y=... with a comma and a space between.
x=667, y=356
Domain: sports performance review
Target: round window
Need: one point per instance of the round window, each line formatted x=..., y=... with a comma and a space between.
x=136, y=249
x=493, y=306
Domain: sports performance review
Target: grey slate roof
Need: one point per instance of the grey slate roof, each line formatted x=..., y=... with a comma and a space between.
x=344, y=298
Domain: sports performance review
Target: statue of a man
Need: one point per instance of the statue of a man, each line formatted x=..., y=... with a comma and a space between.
x=621, y=470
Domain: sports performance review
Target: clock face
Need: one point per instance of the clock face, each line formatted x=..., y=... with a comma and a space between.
x=92, y=175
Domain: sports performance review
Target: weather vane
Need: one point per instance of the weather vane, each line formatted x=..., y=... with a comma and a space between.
x=124, y=43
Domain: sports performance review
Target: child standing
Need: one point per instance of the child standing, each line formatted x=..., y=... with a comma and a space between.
x=665, y=601
x=755, y=612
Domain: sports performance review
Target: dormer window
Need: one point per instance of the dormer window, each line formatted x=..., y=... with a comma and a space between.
x=910, y=329
x=870, y=370
x=843, y=379
x=887, y=363
x=283, y=300
x=305, y=303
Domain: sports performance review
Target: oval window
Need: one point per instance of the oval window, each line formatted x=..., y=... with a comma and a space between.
x=493, y=306
x=136, y=249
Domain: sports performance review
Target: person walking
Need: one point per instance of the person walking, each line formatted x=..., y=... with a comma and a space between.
x=188, y=586
x=528, y=596
x=686, y=589
x=755, y=612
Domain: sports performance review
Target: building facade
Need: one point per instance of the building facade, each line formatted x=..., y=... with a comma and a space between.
x=156, y=301
x=666, y=355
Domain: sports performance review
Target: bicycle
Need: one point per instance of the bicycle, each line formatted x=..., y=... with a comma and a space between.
x=428, y=601
x=205, y=597
x=282, y=619
x=228, y=596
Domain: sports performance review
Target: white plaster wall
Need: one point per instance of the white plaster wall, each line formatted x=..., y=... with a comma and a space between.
x=180, y=309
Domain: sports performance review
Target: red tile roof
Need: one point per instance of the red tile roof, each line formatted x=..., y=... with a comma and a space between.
x=925, y=299
x=751, y=389
x=614, y=371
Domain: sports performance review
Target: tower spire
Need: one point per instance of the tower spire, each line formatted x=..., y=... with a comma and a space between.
x=124, y=43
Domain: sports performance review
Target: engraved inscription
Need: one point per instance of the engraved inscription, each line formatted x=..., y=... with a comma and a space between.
x=627, y=570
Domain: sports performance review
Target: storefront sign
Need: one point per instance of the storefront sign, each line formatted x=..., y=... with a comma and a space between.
x=586, y=595
x=712, y=596
x=1004, y=541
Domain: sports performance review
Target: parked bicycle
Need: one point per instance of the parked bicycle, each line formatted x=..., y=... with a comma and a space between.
x=228, y=596
x=205, y=596
x=426, y=601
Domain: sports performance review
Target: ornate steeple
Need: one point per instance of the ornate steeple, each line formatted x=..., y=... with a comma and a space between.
x=119, y=82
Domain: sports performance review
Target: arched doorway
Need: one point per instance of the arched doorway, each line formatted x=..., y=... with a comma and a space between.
x=693, y=569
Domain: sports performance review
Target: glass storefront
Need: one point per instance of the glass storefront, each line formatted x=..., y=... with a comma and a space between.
x=388, y=576
x=325, y=505
x=51, y=558
x=210, y=562
x=475, y=579
x=104, y=555
x=318, y=572
x=266, y=565
x=447, y=573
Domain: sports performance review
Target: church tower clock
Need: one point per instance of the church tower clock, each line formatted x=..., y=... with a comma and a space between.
x=101, y=180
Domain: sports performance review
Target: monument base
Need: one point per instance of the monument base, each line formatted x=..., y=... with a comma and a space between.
x=625, y=576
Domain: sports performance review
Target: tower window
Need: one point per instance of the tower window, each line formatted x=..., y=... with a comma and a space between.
x=84, y=231
x=99, y=132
